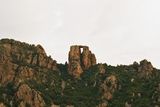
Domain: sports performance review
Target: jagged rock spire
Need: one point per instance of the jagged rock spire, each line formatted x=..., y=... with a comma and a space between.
x=80, y=61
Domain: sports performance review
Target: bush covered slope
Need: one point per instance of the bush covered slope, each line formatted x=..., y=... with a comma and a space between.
x=30, y=78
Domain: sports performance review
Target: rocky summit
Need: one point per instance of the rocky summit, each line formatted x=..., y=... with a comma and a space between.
x=31, y=78
x=80, y=61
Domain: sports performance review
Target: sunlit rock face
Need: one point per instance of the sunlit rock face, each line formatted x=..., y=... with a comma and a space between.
x=17, y=60
x=80, y=59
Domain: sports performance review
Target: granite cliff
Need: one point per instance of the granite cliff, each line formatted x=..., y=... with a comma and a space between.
x=30, y=78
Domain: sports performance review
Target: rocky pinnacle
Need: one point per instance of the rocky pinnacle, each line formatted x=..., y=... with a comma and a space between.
x=80, y=59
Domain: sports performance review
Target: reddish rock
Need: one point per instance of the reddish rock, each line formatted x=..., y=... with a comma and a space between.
x=80, y=61
x=17, y=56
x=103, y=104
x=2, y=105
x=7, y=73
x=108, y=87
x=93, y=59
x=29, y=96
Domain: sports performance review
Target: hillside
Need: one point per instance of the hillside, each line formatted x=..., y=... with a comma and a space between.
x=30, y=78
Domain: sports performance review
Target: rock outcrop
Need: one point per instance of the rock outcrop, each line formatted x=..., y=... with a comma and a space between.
x=28, y=96
x=145, y=68
x=21, y=57
x=17, y=52
x=108, y=87
x=30, y=78
x=80, y=61
x=22, y=64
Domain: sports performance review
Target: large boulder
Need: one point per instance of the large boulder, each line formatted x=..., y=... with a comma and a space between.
x=80, y=61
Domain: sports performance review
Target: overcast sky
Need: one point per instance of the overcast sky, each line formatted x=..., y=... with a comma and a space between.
x=117, y=31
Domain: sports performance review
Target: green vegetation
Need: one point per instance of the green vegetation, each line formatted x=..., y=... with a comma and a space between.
x=116, y=86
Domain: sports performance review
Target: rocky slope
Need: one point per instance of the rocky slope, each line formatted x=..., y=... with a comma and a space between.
x=30, y=78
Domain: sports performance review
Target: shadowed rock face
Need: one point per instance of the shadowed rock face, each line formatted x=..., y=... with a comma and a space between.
x=80, y=61
x=145, y=68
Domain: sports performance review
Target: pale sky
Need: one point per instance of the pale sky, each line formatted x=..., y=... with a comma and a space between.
x=117, y=31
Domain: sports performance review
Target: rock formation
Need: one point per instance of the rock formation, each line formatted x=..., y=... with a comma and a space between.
x=28, y=96
x=145, y=68
x=108, y=87
x=19, y=64
x=80, y=61
x=30, y=78
x=19, y=56
x=14, y=51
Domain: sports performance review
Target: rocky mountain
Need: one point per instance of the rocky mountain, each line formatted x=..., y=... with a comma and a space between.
x=30, y=78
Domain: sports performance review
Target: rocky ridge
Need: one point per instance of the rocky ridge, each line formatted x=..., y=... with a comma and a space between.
x=30, y=78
